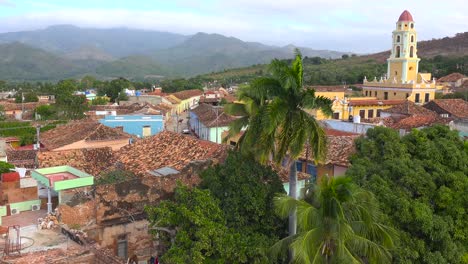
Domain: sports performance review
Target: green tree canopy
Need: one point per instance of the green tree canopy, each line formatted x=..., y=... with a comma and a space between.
x=338, y=222
x=113, y=88
x=420, y=181
x=230, y=218
x=5, y=167
x=28, y=97
x=245, y=190
x=194, y=226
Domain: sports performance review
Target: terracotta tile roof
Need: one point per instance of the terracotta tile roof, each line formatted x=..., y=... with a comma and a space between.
x=80, y=130
x=22, y=158
x=453, y=77
x=405, y=16
x=375, y=102
x=171, y=100
x=8, y=106
x=340, y=146
x=455, y=107
x=183, y=95
x=208, y=116
x=409, y=108
x=409, y=122
x=167, y=149
x=92, y=161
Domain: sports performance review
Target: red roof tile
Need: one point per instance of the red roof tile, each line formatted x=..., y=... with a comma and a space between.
x=409, y=108
x=167, y=149
x=340, y=146
x=80, y=130
x=455, y=107
x=210, y=117
x=183, y=95
x=453, y=77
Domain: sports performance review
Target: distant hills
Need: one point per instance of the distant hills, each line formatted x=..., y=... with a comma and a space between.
x=69, y=51
x=66, y=51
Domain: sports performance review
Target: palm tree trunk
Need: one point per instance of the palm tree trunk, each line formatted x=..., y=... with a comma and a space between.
x=293, y=194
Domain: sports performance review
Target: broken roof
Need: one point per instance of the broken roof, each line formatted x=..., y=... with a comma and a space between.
x=92, y=161
x=167, y=149
x=211, y=116
x=80, y=130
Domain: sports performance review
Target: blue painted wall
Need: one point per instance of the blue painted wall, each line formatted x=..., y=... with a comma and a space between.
x=133, y=124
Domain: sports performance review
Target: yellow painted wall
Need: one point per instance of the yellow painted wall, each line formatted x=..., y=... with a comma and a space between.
x=396, y=70
x=399, y=95
x=412, y=74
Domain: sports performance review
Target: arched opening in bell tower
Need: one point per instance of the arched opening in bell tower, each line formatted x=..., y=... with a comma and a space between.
x=397, y=52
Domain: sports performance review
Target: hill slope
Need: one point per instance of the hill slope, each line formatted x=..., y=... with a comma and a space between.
x=22, y=62
x=214, y=52
x=118, y=42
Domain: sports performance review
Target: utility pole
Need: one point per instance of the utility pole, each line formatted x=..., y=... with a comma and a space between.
x=22, y=105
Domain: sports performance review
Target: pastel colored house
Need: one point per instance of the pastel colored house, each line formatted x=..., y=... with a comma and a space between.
x=184, y=100
x=18, y=194
x=137, y=125
x=61, y=181
x=209, y=122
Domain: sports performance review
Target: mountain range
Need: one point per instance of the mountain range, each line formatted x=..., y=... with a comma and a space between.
x=66, y=51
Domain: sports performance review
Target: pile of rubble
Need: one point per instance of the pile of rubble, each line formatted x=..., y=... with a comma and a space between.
x=78, y=233
x=48, y=222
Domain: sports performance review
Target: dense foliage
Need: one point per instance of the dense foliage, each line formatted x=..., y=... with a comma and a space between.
x=245, y=191
x=421, y=182
x=229, y=219
x=6, y=167
x=176, y=85
x=338, y=222
x=23, y=130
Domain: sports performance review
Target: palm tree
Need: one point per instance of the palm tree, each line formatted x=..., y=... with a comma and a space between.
x=338, y=223
x=278, y=126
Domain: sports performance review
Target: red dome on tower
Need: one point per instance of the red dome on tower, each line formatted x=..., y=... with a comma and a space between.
x=406, y=16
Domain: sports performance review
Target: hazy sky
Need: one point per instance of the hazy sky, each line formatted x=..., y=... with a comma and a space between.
x=346, y=25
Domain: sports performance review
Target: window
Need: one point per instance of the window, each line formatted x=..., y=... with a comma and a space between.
x=394, y=94
x=397, y=55
x=412, y=25
x=412, y=38
x=366, y=93
x=375, y=93
x=362, y=113
x=411, y=68
x=398, y=39
x=385, y=95
x=146, y=131
x=411, y=52
x=426, y=97
x=370, y=113
x=407, y=95
x=378, y=112
x=396, y=73
x=122, y=246
x=336, y=115
x=416, y=99
x=299, y=165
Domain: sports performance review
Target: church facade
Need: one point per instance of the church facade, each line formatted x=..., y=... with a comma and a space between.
x=402, y=80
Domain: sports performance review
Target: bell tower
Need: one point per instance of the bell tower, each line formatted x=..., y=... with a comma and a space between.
x=403, y=62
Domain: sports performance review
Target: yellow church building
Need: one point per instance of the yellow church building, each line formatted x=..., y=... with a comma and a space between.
x=403, y=80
